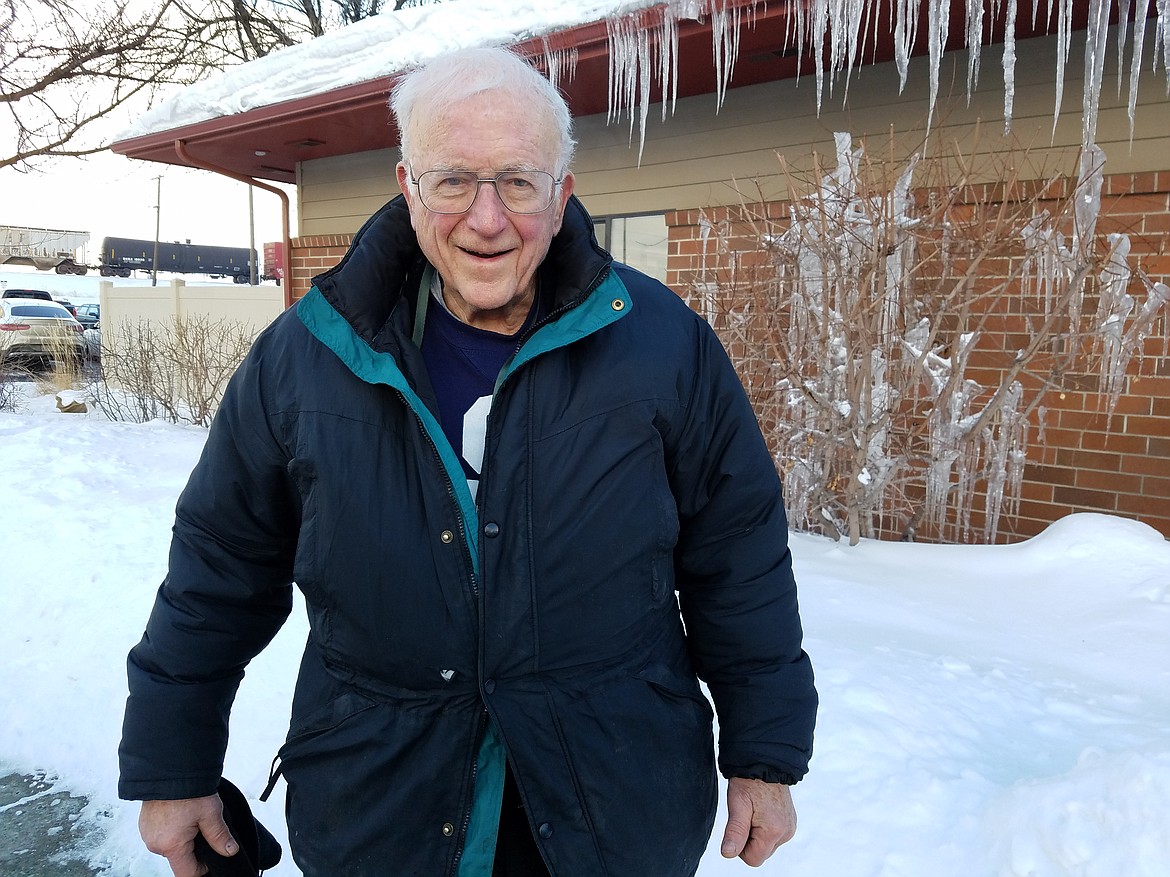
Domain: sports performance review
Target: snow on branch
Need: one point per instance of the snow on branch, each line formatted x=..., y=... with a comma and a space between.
x=907, y=324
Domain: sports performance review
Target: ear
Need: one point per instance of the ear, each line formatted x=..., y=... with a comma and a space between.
x=403, y=176
x=566, y=188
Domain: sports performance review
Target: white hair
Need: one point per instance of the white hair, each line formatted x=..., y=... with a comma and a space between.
x=456, y=76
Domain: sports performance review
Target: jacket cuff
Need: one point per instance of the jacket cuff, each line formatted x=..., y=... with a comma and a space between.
x=167, y=790
x=762, y=772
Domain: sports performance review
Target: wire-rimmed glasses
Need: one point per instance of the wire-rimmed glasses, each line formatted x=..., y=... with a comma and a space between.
x=450, y=192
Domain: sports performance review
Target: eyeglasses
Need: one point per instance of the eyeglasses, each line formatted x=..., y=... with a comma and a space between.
x=454, y=191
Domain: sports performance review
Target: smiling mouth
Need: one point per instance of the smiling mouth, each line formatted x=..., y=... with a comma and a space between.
x=481, y=255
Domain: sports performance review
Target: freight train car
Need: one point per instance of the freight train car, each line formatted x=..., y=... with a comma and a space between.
x=44, y=248
x=120, y=256
x=274, y=262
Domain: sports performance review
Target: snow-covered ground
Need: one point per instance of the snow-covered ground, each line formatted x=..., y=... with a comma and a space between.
x=986, y=710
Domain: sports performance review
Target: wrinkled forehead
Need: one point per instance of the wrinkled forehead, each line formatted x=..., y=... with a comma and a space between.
x=496, y=129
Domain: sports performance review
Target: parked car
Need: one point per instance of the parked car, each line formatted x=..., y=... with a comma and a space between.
x=93, y=343
x=34, y=329
x=41, y=294
x=88, y=315
x=68, y=305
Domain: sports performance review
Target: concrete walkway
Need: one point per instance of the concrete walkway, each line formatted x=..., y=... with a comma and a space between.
x=38, y=834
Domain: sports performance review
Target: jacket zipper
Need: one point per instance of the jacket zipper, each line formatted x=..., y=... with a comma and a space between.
x=473, y=579
x=552, y=315
x=480, y=728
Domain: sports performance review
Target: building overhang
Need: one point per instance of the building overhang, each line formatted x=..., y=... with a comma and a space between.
x=268, y=142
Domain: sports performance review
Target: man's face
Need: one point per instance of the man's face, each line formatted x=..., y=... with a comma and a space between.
x=488, y=256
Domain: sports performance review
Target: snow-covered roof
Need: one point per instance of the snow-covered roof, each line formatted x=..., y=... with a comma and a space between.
x=378, y=47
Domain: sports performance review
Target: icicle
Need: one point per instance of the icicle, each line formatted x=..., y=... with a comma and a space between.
x=705, y=228
x=618, y=34
x=561, y=64
x=939, y=25
x=803, y=39
x=1120, y=349
x=1003, y=442
x=1122, y=32
x=629, y=73
x=849, y=41
x=974, y=34
x=717, y=60
x=1113, y=310
x=1009, y=65
x=1162, y=39
x=725, y=24
x=1096, y=40
x=842, y=183
x=1063, y=33
x=1141, y=13
x=820, y=19
x=668, y=60
x=905, y=32
x=643, y=89
x=1088, y=197
x=633, y=61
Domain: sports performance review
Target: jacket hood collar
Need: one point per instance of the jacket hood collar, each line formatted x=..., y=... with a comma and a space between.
x=384, y=265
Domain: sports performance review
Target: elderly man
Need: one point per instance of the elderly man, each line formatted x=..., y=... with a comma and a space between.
x=497, y=464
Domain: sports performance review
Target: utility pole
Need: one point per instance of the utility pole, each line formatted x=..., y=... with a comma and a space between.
x=157, y=226
x=252, y=279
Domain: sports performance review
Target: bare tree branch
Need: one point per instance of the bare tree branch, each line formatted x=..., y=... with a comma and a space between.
x=65, y=72
x=242, y=30
x=69, y=75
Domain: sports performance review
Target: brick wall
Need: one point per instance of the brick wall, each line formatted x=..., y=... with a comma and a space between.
x=1079, y=459
x=311, y=255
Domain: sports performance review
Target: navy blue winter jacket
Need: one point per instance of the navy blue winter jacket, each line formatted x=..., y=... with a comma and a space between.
x=624, y=478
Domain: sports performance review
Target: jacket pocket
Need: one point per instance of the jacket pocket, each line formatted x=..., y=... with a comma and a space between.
x=316, y=725
x=674, y=686
x=375, y=784
x=642, y=753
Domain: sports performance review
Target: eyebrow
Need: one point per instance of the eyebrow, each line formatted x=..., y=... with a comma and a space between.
x=510, y=168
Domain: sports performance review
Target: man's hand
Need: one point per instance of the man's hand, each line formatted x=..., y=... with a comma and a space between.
x=169, y=829
x=760, y=817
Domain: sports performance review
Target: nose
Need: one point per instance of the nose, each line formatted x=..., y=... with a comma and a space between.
x=487, y=213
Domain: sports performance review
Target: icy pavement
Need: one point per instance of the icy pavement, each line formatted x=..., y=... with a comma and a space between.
x=38, y=829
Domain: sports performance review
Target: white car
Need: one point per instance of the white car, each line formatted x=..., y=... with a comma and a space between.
x=33, y=329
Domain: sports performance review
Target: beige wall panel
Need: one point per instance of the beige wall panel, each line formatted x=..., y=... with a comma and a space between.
x=336, y=195
x=326, y=211
x=342, y=190
x=360, y=165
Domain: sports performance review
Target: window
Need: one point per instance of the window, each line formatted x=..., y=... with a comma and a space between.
x=638, y=241
x=41, y=311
